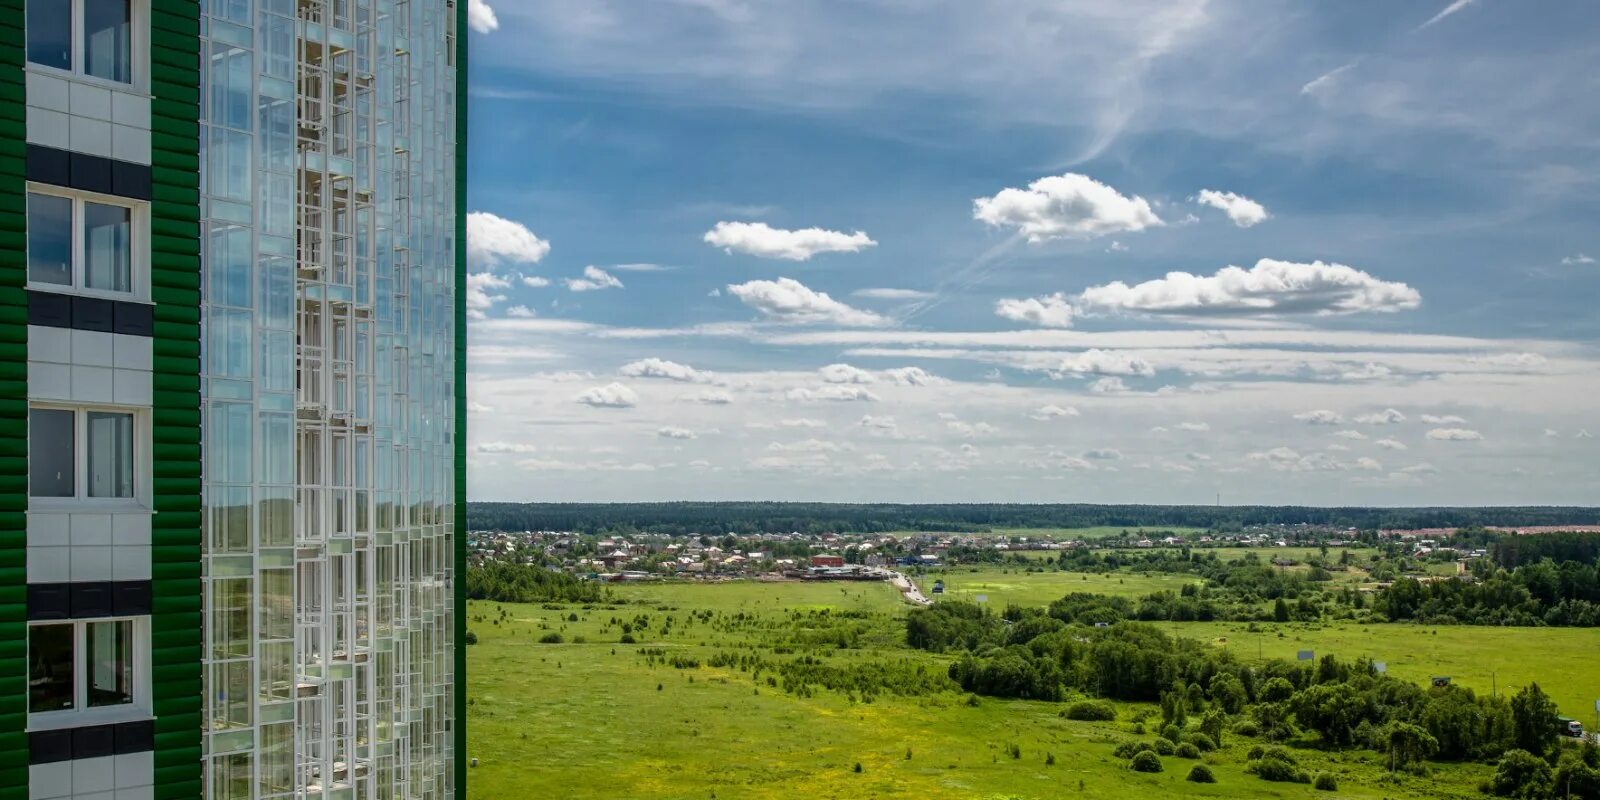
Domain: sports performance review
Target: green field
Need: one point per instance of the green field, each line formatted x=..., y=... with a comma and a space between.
x=598, y=720
x=1098, y=532
x=1004, y=586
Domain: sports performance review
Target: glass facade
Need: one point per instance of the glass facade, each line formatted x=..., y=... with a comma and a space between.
x=329, y=227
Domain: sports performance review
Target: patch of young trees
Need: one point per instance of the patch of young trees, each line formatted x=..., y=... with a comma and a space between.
x=523, y=583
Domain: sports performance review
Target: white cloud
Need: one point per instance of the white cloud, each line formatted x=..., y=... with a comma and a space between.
x=671, y=432
x=1323, y=84
x=1455, y=5
x=1284, y=459
x=475, y=407
x=710, y=397
x=1388, y=416
x=764, y=241
x=1447, y=419
x=1370, y=464
x=1370, y=371
x=483, y=291
x=594, y=279
x=1103, y=454
x=1065, y=206
x=521, y=312
x=1320, y=416
x=1519, y=360
x=480, y=17
x=642, y=267
x=1193, y=427
x=971, y=430
x=1103, y=362
x=1454, y=435
x=844, y=373
x=1352, y=435
x=1576, y=259
x=1052, y=411
x=1109, y=385
x=912, y=376
x=1049, y=311
x=612, y=395
x=1420, y=469
x=802, y=422
x=892, y=294
x=1116, y=247
x=1242, y=210
x=533, y=281
x=788, y=300
x=493, y=448
x=493, y=240
x=661, y=368
x=837, y=394
x=1583, y=433
x=810, y=446
x=1391, y=444
x=1551, y=433
x=885, y=424
x=1271, y=287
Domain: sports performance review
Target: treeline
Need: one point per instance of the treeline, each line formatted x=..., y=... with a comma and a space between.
x=1538, y=593
x=523, y=583
x=1514, y=551
x=744, y=518
x=1035, y=654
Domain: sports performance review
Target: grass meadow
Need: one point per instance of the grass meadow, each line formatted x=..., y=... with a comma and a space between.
x=590, y=717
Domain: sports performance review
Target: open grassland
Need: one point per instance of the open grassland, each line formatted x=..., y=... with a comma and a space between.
x=1098, y=532
x=1007, y=585
x=1563, y=661
x=591, y=717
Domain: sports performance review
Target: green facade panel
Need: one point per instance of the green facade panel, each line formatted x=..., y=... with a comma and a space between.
x=13, y=407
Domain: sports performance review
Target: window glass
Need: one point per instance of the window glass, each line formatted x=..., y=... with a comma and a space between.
x=50, y=33
x=49, y=239
x=109, y=654
x=110, y=454
x=107, y=39
x=50, y=667
x=108, y=247
x=50, y=453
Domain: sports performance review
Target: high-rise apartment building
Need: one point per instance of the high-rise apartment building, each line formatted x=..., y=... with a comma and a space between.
x=232, y=249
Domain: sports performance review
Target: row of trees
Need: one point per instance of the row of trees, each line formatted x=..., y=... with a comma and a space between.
x=749, y=518
x=1031, y=654
x=1536, y=593
x=505, y=582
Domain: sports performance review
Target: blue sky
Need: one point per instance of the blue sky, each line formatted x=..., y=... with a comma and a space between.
x=1281, y=252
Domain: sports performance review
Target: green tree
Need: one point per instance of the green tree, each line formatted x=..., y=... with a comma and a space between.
x=1406, y=744
x=1280, y=611
x=1522, y=774
x=1534, y=718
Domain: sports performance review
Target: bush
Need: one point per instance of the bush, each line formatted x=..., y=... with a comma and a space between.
x=550, y=638
x=626, y=638
x=1131, y=749
x=1145, y=761
x=1201, y=773
x=1165, y=747
x=1327, y=783
x=471, y=638
x=1247, y=728
x=1171, y=733
x=1273, y=768
x=1202, y=742
x=1091, y=711
x=1187, y=750
x=1522, y=774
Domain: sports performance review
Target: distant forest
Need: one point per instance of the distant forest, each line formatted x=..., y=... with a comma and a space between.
x=741, y=518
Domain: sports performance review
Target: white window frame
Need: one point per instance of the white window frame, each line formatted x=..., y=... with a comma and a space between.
x=138, y=50
x=80, y=499
x=138, y=244
x=81, y=714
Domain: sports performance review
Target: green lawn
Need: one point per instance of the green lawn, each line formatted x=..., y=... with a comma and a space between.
x=596, y=720
x=1007, y=585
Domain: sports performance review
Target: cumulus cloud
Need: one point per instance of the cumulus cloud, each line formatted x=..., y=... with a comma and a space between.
x=661, y=368
x=912, y=376
x=520, y=312
x=1271, y=287
x=1284, y=459
x=1447, y=419
x=612, y=395
x=533, y=281
x=671, y=432
x=494, y=448
x=1576, y=259
x=483, y=291
x=1391, y=444
x=1242, y=210
x=1108, y=385
x=1454, y=435
x=493, y=240
x=1103, y=454
x=844, y=373
x=1352, y=435
x=1321, y=416
x=892, y=294
x=1388, y=416
x=971, y=430
x=709, y=397
x=1370, y=464
x=1052, y=411
x=1069, y=206
x=1049, y=311
x=594, y=279
x=480, y=17
x=1194, y=427
x=802, y=422
x=788, y=300
x=835, y=393
x=809, y=446
x=880, y=426
x=1095, y=361
x=1583, y=433
x=764, y=241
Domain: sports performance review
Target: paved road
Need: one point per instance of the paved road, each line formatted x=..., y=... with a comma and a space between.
x=908, y=590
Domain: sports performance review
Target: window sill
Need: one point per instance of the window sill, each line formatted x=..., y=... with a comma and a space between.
x=119, y=87
x=63, y=720
x=74, y=505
